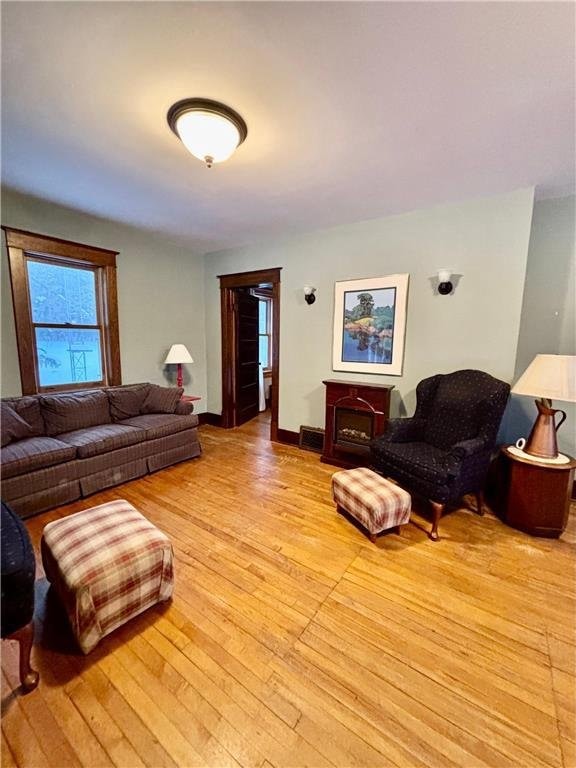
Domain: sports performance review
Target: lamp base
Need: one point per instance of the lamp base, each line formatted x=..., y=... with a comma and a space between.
x=179, y=378
x=542, y=442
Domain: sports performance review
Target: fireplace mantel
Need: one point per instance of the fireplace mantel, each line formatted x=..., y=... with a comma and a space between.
x=355, y=414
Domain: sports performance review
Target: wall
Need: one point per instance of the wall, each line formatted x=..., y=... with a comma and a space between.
x=548, y=322
x=160, y=293
x=485, y=241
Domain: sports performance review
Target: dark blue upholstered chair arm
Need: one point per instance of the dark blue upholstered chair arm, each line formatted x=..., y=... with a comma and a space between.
x=402, y=431
x=468, y=457
x=469, y=447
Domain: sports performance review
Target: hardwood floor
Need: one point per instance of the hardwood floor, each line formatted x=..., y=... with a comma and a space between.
x=293, y=641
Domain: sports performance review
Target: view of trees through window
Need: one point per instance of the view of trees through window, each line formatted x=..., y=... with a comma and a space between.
x=63, y=303
x=264, y=331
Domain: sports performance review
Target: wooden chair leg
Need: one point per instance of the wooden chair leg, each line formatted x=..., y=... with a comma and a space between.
x=25, y=636
x=479, y=502
x=438, y=509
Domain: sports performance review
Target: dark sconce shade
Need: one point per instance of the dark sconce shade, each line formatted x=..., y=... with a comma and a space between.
x=309, y=296
x=444, y=284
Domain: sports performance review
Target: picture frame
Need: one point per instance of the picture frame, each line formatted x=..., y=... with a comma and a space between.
x=370, y=325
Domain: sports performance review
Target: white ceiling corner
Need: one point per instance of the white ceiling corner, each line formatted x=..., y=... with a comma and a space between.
x=354, y=109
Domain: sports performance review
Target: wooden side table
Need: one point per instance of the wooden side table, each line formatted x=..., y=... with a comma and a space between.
x=534, y=497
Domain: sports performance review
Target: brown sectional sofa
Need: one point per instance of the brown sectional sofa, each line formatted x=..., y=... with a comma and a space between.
x=57, y=448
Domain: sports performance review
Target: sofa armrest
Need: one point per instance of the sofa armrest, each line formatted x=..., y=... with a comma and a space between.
x=184, y=408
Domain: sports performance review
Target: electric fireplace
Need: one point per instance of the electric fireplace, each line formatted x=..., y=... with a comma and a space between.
x=352, y=427
x=355, y=413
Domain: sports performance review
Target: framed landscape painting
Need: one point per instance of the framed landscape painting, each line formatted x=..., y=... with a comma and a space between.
x=369, y=325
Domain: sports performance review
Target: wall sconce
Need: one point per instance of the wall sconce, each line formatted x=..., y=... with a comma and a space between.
x=309, y=292
x=444, y=284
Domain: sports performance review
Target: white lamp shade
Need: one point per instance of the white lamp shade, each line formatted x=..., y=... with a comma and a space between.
x=206, y=134
x=178, y=354
x=549, y=376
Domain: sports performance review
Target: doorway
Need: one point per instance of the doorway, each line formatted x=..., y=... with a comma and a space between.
x=240, y=354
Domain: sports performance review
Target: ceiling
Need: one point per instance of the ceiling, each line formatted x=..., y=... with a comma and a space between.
x=354, y=110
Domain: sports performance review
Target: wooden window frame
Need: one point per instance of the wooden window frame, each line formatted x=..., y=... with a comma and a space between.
x=22, y=246
x=264, y=294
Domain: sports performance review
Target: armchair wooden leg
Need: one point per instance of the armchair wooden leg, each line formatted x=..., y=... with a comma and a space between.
x=25, y=637
x=438, y=509
x=479, y=502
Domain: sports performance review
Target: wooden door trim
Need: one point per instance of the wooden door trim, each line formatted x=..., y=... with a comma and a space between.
x=228, y=283
x=250, y=279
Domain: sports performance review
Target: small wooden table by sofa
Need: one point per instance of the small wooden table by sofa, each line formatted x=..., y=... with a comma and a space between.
x=190, y=398
x=533, y=496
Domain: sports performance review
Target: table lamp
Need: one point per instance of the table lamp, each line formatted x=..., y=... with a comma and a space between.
x=547, y=377
x=178, y=354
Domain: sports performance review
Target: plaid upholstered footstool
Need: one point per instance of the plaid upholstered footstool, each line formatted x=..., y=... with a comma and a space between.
x=375, y=502
x=107, y=564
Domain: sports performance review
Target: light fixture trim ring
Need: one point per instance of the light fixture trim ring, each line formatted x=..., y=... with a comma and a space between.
x=206, y=105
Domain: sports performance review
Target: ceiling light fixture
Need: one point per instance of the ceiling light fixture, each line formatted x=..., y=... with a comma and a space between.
x=211, y=131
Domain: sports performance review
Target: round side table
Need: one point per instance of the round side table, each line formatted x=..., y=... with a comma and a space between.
x=537, y=495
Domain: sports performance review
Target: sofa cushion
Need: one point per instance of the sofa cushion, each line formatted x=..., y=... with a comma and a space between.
x=28, y=408
x=162, y=424
x=74, y=410
x=126, y=402
x=12, y=426
x=162, y=399
x=94, y=441
x=34, y=453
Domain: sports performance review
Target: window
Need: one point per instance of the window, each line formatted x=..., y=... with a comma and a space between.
x=66, y=314
x=265, y=332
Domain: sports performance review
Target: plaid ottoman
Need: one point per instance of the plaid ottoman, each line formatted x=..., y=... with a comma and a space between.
x=375, y=502
x=107, y=564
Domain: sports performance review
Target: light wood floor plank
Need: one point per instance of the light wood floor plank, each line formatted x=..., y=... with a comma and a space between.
x=20, y=736
x=143, y=741
x=51, y=737
x=293, y=641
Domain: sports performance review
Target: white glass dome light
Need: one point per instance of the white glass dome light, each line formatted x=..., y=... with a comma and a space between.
x=209, y=130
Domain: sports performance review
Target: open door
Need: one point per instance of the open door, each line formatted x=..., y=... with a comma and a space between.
x=237, y=378
x=246, y=374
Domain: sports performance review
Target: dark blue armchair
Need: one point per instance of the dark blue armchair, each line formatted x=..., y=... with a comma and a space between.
x=18, y=575
x=443, y=452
